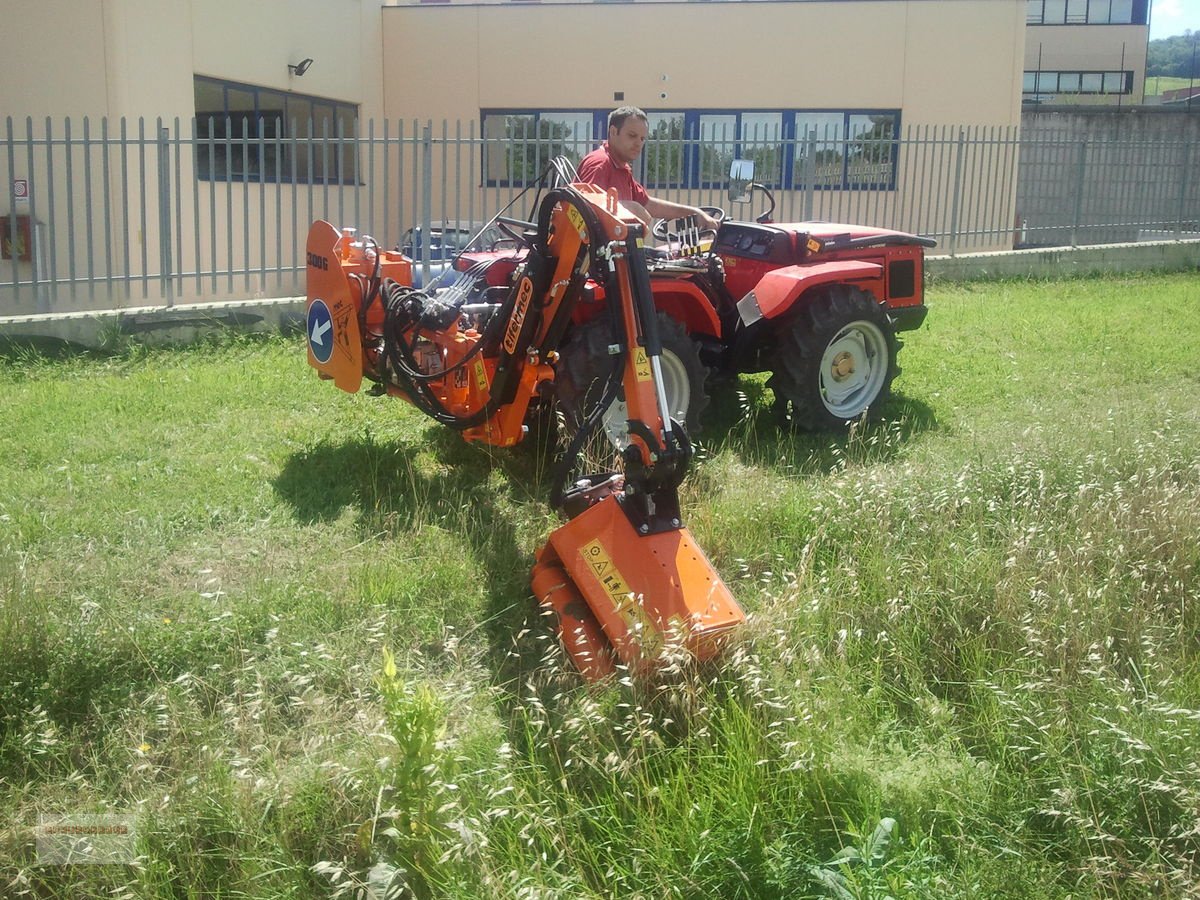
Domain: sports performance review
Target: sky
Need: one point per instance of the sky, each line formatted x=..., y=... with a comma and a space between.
x=1171, y=17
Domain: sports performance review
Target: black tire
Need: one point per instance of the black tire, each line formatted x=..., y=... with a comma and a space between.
x=585, y=364
x=835, y=360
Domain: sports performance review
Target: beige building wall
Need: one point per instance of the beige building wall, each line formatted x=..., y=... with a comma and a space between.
x=137, y=57
x=1089, y=48
x=939, y=61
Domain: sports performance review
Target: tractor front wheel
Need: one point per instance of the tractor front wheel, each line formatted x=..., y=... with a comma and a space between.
x=835, y=359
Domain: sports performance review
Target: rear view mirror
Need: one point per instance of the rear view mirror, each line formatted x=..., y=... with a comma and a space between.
x=741, y=175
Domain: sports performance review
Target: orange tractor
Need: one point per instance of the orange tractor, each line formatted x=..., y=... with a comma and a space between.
x=623, y=574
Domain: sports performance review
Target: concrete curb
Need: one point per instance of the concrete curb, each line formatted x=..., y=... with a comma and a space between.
x=158, y=325
x=1059, y=262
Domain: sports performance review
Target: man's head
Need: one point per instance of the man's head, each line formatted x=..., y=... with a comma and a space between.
x=628, y=128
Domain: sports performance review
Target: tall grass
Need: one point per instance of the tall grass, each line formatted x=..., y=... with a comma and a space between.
x=289, y=631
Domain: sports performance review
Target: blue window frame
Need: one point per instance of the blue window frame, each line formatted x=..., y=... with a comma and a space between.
x=829, y=149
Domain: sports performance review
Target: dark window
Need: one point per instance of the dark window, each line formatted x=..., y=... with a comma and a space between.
x=1050, y=82
x=248, y=133
x=1086, y=12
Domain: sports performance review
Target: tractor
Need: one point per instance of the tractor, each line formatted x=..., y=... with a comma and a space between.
x=818, y=305
x=577, y=315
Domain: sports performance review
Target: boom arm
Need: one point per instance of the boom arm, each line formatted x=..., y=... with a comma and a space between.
x=623, y=575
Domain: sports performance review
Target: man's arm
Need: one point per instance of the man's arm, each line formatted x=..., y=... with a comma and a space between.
x=665, y=209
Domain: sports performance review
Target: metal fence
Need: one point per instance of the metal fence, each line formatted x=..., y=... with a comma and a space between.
x=115, y=215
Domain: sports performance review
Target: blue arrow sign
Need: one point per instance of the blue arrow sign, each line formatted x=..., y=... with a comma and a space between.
x=320, y=331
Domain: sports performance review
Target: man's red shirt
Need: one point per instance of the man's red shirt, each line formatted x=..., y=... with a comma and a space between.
x=600, y=169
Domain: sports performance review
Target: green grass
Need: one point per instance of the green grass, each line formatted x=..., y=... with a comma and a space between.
x=1160, y=84
x=979, y=618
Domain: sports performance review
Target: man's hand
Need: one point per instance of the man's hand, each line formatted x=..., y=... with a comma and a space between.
x=707, y=222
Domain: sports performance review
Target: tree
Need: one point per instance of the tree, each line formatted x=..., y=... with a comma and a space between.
x=1177, y=56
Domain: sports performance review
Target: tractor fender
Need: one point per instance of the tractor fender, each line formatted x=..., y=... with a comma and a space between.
x=688, y=305
x=777, y=292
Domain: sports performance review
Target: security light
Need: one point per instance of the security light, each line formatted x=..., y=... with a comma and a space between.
x=301, y=67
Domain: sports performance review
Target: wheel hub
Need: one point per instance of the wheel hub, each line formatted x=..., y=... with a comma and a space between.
x=843, y=365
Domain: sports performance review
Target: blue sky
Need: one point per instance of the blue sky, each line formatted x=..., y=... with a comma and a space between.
x=1170, y=17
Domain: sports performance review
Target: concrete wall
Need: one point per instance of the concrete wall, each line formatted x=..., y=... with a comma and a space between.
x=1106, y=175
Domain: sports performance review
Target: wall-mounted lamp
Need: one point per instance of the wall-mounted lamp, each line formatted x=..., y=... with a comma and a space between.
x=301, y=67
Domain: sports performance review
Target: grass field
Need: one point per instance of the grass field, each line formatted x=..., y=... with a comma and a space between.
x=1159, y=84
x=287, y=632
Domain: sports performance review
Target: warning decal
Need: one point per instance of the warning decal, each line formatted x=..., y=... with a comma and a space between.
x=641, y=363
x=625, y=604
x=576, y=219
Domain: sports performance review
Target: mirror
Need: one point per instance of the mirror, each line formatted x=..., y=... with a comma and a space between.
x=741, y=174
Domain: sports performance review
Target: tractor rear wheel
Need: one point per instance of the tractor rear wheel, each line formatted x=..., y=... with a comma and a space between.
x=835, y=359
x=585, y=365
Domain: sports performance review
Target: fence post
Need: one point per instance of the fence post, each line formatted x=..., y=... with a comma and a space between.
x=164, y=213
x=1183, y=189
x=426, y=199
x=954, y=205
x=810, y=175
x=1081, y=170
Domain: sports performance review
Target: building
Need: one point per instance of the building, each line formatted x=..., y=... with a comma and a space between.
x=1085, y=52
x=186, y=138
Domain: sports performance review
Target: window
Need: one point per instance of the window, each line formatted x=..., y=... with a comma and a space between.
x=1122, y=13
x=1078, y=83
x=519, y=145
x=819, y=159
x=836, y=149
x=1086, y=12
x=718, y=147
x=665, y=155
x=248, y=133
x=870, y=151
x=761, y=137
x=855, y=151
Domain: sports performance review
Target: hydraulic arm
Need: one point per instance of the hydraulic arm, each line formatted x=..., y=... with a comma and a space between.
x=623, y=574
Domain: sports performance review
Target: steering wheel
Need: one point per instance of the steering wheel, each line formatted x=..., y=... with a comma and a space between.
x=515, y=229
x=662, y=228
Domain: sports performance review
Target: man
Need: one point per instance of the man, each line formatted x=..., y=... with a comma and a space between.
x=609, y=165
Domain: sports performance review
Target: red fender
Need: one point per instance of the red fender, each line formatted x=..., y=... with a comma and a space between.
x=687, y=304
x=778, y=290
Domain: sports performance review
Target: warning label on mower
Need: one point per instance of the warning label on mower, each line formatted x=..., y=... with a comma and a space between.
x=625, y=604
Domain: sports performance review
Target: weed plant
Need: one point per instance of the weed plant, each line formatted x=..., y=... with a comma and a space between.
x=289, y=632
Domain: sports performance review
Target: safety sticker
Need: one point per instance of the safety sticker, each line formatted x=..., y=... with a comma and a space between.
x=481, y=379
x=625, y=604
x=576, y=219
x=641, y=364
